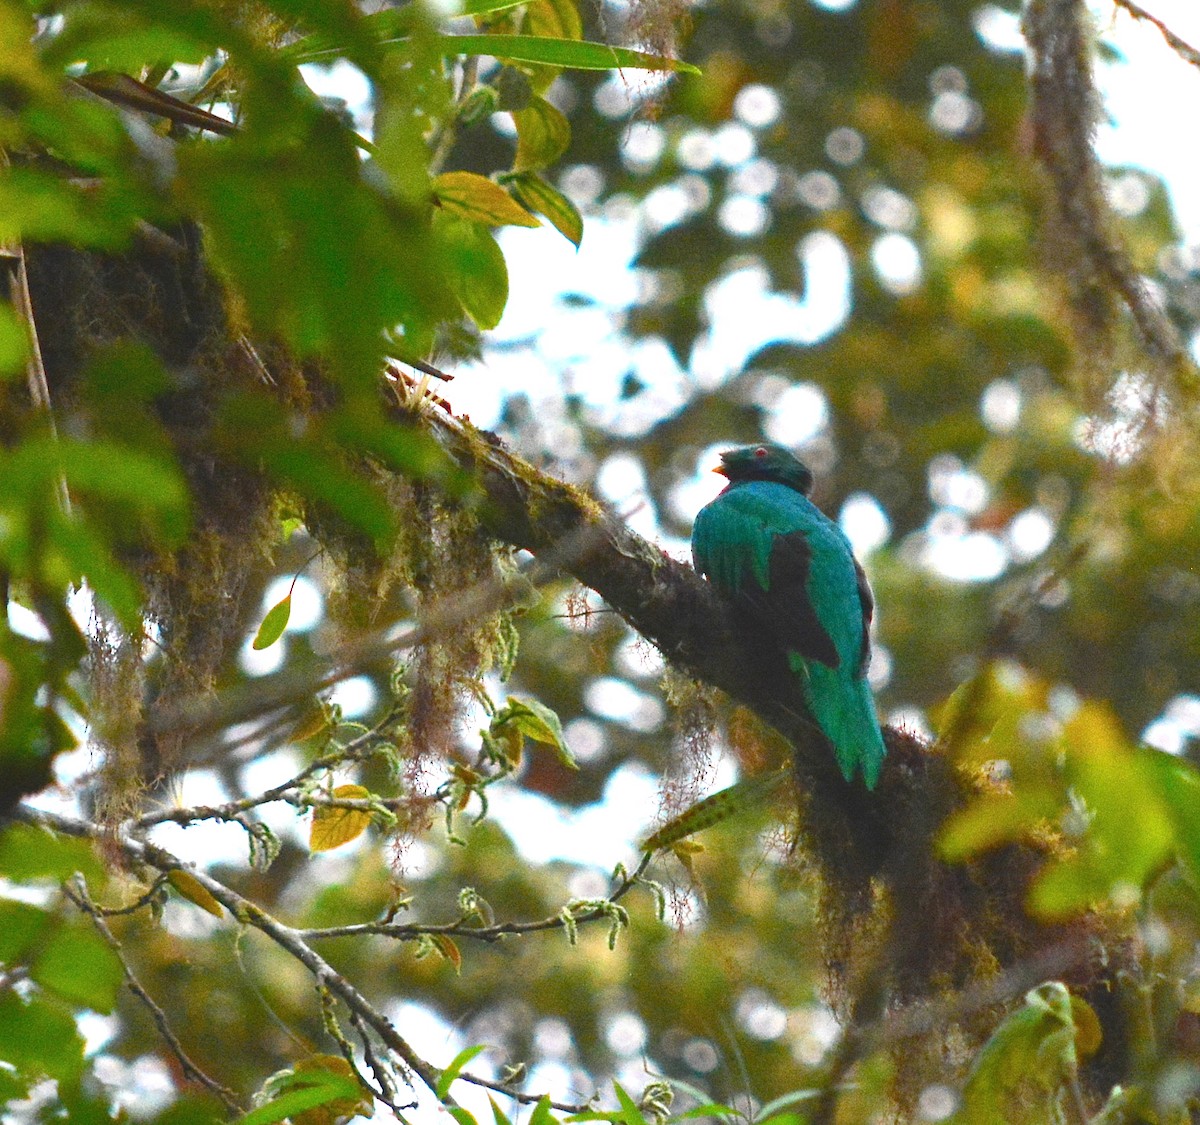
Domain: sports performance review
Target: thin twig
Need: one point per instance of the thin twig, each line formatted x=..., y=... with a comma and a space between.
x=1180, y=46
x=249, y=914
x=139, y=903
x=494, y=933
x=356, y=749
x=295, y=943
x=76, y=890
x=383, y=1075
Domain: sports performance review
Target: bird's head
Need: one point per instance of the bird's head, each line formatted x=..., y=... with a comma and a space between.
x=765, y=462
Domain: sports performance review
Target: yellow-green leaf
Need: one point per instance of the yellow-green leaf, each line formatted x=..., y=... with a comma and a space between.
x=1025, y=1062
x=333, y=826
x=468, y=195
x=534, y=720
x=194, y=891
x=474, y=266
x=995, y=819
x=314, y=719
x=273, y=624
x=338, y=1109
x=1088, y=1033
x=448, y=1076
x=549, y=202
x=316, y=1091
x=554, y=19
x=543, y=135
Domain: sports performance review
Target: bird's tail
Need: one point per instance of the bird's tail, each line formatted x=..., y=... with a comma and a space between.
x=845, y=711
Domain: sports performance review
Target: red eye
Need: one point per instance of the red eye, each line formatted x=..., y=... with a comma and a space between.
x=760, y=452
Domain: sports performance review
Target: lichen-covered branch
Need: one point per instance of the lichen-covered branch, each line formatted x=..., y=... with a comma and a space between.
x=1064, y=110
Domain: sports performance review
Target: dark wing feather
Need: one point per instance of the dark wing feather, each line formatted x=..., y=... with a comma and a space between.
x=784, y=608
x=737, y=542
x=868, y=611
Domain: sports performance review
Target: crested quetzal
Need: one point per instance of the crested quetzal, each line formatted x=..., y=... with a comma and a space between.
x=763, y=542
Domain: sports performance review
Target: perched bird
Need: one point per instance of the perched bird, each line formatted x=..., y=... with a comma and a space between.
x=763, y=542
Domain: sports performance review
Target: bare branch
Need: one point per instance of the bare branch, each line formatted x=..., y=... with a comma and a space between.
x=1180, y=46
x=251, y=914
x=366, y=1019
x=460, y=928
x=76, y=890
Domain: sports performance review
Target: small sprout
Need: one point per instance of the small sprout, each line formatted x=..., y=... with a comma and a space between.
x=474, y=905
x=264, y=845
x=569, y=924
x=656, y=1100
x=513, y=1073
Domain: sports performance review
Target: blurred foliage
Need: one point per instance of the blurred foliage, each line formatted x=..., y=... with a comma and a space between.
x=196, y=406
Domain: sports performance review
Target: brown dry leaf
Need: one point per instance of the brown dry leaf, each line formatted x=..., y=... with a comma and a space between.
x=447, y=947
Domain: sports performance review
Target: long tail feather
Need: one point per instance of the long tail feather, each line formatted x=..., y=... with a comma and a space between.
x=845, y=710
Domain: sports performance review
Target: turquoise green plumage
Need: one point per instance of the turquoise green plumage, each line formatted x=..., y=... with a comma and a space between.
x=766, y=544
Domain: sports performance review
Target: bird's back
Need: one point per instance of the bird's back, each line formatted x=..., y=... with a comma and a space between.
x=778, y=553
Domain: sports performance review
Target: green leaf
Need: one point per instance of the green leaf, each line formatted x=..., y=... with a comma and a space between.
x=304, y=1090
x=146, y=482
x=390, y=26
x=319, y=257
x=543, y=135
x=499, y=1117
x=1179, y=787
x=30, y=853
x=448, y=1076
x=1024, y=1063
x=475, y=268
x=20, y=926
x=772, y=1108
x=534, y=720
x=39, y=1037
x=274, y=623
x=75, y=550
x=474, y=197
x=14, y=342
x=631, y=1113
x=541, y=1114
x=109, y=39
x=80, y=966
x=548, y=201
x=37, y=205
x=560, y=52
